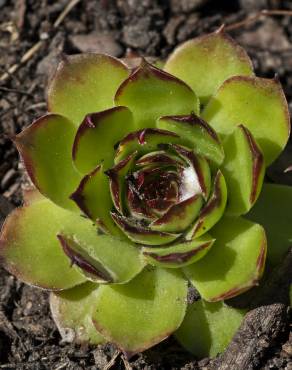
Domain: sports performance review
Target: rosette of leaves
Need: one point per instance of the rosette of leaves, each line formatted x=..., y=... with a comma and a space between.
x=143, y=179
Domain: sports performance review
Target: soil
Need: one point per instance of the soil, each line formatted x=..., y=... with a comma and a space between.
x=28, y=337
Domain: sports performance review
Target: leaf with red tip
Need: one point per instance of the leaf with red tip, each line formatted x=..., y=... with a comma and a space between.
x=259, y=104
x=97, y=136
x=93, y=198
x=84, y=84
x=180, y=254
x=213, y=209
x=234, y=264
x=179, y=216
x=72, y=310
x=142, y=235
x=199, y=175
x=45, y=147
x=159, y=158
x=208, y=328
x=117, y=177
x=202, y=138
x=101, y=258
x=137, y=315
x=206, y=62
x=29, y=247
x=151, y=93
x=273, y=210
x=144, y=141
x=243, y=169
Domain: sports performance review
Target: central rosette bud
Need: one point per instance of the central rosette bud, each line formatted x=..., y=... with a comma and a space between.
x=162, y=190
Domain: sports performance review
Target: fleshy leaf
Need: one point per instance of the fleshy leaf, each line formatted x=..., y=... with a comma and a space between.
x=97, y=136
x=151, y=93
x=273, y=211
x=213, y=210
x=30, y=249
x=206, y=62
x=235, y=262
x=201, y=167
x=143, y=142
x=45, y=147
x=72, y=312
x=84, y=84
x=101, y=258
x=208, y=328
x=178, y=255
x=117, y=177
x=137, y=315
x=142, y=235
x=257, y=103
x=197, y=132
x=243, y=169
x=179, y=216
x=93, y=198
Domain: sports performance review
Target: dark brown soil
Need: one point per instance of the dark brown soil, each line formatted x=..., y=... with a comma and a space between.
x=28, y=337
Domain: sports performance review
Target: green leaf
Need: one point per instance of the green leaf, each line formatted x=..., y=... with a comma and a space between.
x=101, y=258
x=243, y=169
x=213, y=210
x=30, y=249
x=93, y=198
x=85, y=83
x=179, y=255
x=117, y=177
x=235, y=262
x=206, y=62
x=140, y=234
x=197, y=133
x=257, y=103
x=72, y=312
x=45, y=147
x=273, y=210
x=208, y=328
x=142, y=313
x=97, y=136
x=143, y=142
x=179, y=216
x=150, y=93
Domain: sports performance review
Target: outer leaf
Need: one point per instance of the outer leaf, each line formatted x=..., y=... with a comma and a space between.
x=234, y=264
x=197, y=132
x=150, y=93
x=93, y=198
x=143, y=312
x=259, y=104
x=97, y=136
x=213, y=210
x=180, y=254
x=45, y=147
x=208, y=328
x=30, y=249
x=243, y=169
x=206, y=62
x=84, y=84
x=273, y=211
x=102, y=259
x=72, y=312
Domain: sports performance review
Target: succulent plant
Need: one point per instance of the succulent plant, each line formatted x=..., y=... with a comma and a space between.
x=142, y=177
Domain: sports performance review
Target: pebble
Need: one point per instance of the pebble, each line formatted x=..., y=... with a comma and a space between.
x=8, y=178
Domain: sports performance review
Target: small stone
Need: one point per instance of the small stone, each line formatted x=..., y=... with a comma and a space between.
x=171, y=28
x=8, y=178
x=186, y=5
x=98, y=43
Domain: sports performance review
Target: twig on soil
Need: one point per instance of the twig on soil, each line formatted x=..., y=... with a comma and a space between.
x=36, y=47
x=263, y=325
x=112, y=361
x=2, y=88
x=255, y=17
